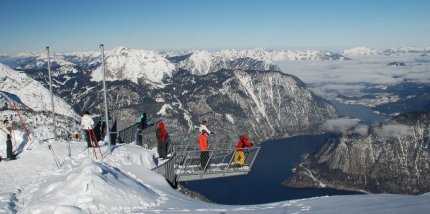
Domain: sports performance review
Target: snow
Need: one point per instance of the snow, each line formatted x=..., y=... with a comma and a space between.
x=164, y=108
x=123, y=183
x=201, y=62
x=246, y=83
x=31, y=92
x=357, y=51
x=229, y=118
x=130, y=64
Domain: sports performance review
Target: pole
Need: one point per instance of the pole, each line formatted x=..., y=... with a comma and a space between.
x=105, y=98
x=52, y=95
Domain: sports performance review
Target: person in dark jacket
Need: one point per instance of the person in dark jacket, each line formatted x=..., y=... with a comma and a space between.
x=162, y=136
x=239, y=155
x=142, y=124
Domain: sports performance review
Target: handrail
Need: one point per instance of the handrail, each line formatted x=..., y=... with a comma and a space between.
x=167, y=169
x=220, y=161
x=184, y=164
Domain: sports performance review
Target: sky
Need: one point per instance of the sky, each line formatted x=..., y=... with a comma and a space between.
x=80, y=25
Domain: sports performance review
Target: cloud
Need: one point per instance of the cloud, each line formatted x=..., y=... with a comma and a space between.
x=392, y=130
x=345, y=126
x=352, y=75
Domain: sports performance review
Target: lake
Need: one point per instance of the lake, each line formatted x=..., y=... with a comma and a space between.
x=263, y=184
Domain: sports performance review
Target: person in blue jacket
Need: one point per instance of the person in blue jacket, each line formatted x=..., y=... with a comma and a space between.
x=142, y=124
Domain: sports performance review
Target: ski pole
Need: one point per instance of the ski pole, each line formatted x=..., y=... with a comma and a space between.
x=54, y=155
x=97, y=144
x=92, y=142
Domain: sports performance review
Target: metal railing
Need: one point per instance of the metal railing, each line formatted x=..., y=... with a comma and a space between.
x=167, y=169
x=220, y=163
x=128, y=134
x=185, y=163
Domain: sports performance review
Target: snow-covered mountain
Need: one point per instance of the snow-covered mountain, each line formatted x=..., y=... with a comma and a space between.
x=265, y=103
x=60, y=63
x=33, y=101
x=204, y=62
x=137, y=78
x=31, y=93
x=365, y=51
x=152, y=66
x=361, y=51
x=407, y=50
x=391, y=157
x=134, y=65
x=268, y=103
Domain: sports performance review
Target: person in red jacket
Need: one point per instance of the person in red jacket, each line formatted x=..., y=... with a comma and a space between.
x=203, y=147
x=162, y=136
x=239, y=155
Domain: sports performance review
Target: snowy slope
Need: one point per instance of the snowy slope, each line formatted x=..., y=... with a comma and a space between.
x=31, y=92
x=124, y=183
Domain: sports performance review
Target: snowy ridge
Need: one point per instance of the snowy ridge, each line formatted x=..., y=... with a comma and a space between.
x=152, y=66
x=407, y=50
x=365, y=51
x=31, y=92
x=201, y=62
x=361, y=51
x=130, y=64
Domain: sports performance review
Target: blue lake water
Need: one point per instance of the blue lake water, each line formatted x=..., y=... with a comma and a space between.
x=359, y=111
x=263, y=184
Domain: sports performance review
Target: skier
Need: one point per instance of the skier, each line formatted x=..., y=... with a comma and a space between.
x=162, y=137
x=239, y=155
x=6, y=132
x=87, y=124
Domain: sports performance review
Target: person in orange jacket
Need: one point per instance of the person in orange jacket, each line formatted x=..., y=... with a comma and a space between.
x=203, y=147
x=162, y=136
x=239, y=155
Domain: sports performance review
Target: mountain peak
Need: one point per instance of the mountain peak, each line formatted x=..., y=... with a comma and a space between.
x=132, y=64
x=361, y=51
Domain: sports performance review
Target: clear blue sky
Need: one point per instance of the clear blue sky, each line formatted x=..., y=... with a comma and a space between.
x=80, y=25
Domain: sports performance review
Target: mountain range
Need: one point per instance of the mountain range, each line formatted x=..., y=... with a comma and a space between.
x=168, y=84
x=241, y=89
